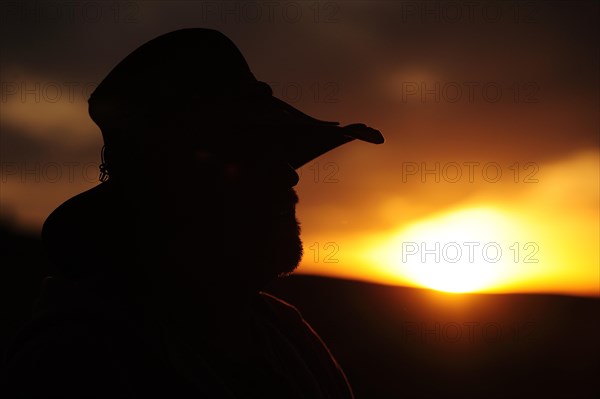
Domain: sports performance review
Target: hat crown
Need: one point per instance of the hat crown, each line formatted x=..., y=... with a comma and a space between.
x=174, y=67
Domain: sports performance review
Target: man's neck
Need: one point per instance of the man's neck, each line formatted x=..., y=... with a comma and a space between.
x=200, y=302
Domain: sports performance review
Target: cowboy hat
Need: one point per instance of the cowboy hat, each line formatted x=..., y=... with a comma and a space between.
x=203, y=70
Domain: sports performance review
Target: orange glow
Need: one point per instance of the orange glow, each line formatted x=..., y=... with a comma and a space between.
x=536, y=238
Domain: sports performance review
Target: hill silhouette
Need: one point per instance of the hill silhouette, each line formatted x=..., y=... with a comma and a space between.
x=399, y=342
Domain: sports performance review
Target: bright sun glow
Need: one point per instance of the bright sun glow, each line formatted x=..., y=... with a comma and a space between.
x=540, y=237
x=462, y=251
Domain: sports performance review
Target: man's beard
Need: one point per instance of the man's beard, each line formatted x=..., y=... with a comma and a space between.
x=284, y=252
x=252, y=241
x=264, y=250
x=261, y=234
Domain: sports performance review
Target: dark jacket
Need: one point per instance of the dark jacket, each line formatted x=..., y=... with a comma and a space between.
x=79, y=345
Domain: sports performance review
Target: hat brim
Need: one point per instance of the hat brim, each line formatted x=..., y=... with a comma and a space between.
x=306, y=138
x=311, y=137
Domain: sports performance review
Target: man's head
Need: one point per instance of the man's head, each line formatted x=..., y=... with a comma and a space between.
x=201, y=160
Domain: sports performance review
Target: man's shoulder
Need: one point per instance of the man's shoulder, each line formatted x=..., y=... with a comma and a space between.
x=314, y=350
x=280, y=307
x=290, y=318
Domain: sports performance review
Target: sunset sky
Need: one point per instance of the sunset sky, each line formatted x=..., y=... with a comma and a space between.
x=489, y=176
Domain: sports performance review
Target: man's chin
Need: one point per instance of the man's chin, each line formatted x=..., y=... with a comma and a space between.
x=280, y=259
x=256, y=252
x=290, y=261
x=286, y=250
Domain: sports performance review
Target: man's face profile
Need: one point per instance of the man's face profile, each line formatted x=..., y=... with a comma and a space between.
x=226, y=212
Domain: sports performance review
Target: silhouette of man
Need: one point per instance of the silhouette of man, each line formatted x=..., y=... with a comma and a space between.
x=158, y=270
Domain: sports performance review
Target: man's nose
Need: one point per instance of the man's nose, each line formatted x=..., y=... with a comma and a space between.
x=284, y=175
